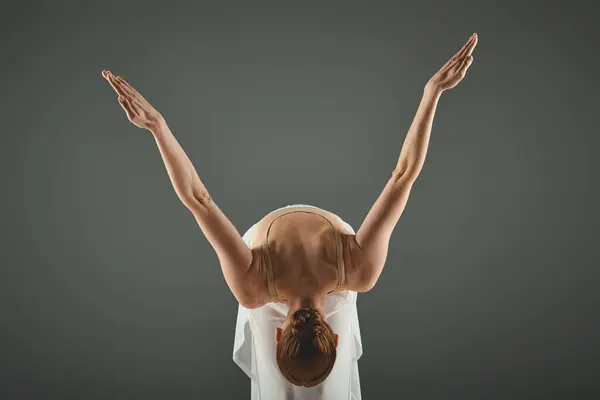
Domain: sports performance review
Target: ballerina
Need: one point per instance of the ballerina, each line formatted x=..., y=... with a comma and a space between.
x=297, y=271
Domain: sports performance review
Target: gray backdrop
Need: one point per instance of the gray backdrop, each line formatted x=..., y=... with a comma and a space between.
x=109, y=290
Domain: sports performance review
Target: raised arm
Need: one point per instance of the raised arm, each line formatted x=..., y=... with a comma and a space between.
x=235, y=257
x=373, y=236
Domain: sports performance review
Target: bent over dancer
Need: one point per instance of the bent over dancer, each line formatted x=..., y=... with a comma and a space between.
x=297, y=271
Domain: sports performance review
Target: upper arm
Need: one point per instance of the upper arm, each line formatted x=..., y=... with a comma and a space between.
x=241, y=266
x=369, y=249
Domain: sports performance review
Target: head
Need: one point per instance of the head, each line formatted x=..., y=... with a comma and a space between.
x=306, y=348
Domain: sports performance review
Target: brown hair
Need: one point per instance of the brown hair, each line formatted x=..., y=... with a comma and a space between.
x=306, y=351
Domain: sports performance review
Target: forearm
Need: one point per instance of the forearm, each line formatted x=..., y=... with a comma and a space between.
x=416, y=143
x=183, y=175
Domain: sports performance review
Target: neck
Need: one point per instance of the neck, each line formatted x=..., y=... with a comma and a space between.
x=317, y=302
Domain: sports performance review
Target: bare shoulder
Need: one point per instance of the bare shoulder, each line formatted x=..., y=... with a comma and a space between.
x=356, y=265
x=253, y=291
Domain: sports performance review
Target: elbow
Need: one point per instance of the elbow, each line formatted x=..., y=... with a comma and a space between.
x=405, y=176
x=408, y=169
x=195, y=200
x=202, y=197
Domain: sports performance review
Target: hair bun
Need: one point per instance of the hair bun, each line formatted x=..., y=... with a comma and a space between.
x=305, y=320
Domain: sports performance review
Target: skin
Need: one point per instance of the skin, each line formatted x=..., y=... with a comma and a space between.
x=368, y=248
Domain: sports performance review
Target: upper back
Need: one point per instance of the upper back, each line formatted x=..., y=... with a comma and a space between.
x=301, y=250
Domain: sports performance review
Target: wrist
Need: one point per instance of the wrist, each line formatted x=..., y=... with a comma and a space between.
x=159, y=128
x=433, y=90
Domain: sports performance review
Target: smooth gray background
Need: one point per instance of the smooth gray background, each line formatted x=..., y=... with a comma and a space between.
x=108, y=289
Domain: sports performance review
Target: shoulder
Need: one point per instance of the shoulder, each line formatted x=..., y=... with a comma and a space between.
x=252, y=291
x=358, y=276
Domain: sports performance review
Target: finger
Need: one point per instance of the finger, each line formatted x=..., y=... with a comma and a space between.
x=135, y=99
x=132, y=93
x=105, y=73
x=115, y=85
x=127, y=107
x=124, y=82
x=464, y=65
x=466, y=52
x=138, y=105
x=462, y=50
x=468, y=63
x=461, y=53
x=113, y=79
x=451, y=63
x=128, y=86
x=472, y=45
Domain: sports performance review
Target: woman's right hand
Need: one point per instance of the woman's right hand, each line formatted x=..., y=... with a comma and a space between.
x=141, y=113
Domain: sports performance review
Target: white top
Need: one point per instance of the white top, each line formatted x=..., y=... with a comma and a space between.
x=255, y=345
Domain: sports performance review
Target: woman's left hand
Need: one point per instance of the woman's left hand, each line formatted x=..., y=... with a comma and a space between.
x=455, y=69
